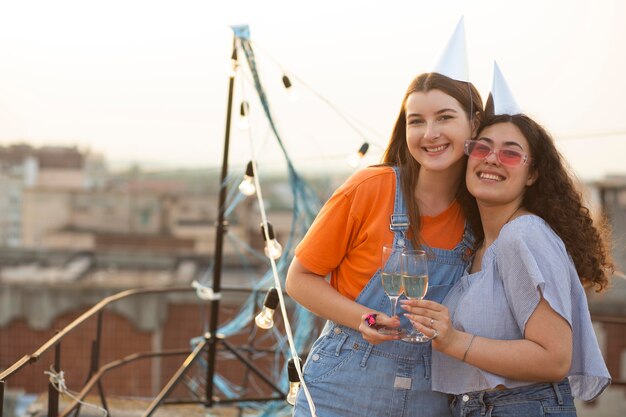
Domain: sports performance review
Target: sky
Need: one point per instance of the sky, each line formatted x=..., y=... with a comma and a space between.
x=146, y=81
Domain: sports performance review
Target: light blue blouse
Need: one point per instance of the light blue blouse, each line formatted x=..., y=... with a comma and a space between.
x=526, y=260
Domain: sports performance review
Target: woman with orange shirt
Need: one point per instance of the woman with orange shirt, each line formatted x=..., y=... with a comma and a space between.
x=411, y=200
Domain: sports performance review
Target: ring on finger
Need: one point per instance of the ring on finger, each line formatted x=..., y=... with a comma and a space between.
x=434, y=336
x=432, y=321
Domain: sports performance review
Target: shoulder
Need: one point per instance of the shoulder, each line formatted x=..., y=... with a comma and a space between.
x=356, y=196
x=530, y=236
x=528, y=228
x=370, y=180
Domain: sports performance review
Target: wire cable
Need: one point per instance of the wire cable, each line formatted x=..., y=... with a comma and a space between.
x=57, y=379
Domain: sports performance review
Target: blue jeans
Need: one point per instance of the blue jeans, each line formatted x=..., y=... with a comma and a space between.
x=528, y=401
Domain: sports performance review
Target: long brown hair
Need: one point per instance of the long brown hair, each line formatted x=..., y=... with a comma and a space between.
x=555, y=198
x=397, y=152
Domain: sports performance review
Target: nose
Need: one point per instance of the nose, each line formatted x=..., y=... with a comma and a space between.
x=492, y=158
x=431, y=131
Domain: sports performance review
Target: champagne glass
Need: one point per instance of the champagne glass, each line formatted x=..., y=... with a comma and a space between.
x=392, y=282
x=414, y=276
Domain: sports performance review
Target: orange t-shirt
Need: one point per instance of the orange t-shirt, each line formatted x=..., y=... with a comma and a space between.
x=346, y=237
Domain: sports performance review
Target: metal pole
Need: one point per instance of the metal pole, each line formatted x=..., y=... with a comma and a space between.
x=219, y=240
x=174, y=380
x=96, y=360
x=1, y=398
x=53, y=394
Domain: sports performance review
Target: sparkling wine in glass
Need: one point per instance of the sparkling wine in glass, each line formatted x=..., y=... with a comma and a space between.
x=414, y=274
x=391, y=281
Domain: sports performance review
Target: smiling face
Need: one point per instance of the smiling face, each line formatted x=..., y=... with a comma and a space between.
x=493, y=183
x=436, y=129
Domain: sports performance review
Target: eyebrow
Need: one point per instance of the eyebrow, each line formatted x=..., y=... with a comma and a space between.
x=506, y=143
x=438, y=112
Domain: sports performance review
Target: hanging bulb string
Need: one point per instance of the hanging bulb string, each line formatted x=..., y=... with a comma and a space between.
x=348, y=118
x=277, y=283
x=247, y=48
x=264, y=142
x=306, y=203
x=232, y=201
x=248, y=315
x=305, y=208
x=343, y=115
x=300, y=188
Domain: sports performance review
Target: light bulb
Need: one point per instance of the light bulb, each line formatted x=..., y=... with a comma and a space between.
x=244, y=108
x=265, y=319
x=292, y=95
x=291, y=92
x=294, y=381
x=232, y=71
x=355, y=159
x=293, y=392
x=247, y=186
x=273, y=249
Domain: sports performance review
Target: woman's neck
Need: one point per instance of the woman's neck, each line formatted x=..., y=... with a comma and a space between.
x=495, y=217
x=435, y=191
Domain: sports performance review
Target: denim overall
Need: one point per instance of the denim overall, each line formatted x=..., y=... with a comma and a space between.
x=347, y=376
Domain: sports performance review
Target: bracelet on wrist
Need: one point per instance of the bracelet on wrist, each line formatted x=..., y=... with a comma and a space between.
x=469, y=345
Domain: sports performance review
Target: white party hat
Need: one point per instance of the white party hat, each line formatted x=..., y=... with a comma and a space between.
x=501, y=100
x=453, y=60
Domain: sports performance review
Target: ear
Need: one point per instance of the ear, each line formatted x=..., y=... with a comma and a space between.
x=475, y=122
x=533, y=174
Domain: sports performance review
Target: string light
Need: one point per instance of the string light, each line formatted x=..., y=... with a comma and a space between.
x=294, y=381
x=273, y=249
x=232, y=71
x=244, y=109
x=246, y=187
x=291, y=92
x=355, y=159
x=265, y=319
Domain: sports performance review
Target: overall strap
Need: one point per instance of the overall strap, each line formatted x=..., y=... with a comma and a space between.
x=399, y=222
x=466, y=245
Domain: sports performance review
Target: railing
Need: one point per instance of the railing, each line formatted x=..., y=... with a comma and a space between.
x=96, y=372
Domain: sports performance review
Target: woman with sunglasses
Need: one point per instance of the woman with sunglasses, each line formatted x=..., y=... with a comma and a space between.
x=514, y=335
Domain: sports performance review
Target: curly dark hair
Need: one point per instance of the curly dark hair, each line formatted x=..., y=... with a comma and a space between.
x=397, y=152
x=555, y=198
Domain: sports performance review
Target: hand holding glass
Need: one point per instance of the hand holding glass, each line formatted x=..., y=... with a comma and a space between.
x=414, y=277
x=392, y=282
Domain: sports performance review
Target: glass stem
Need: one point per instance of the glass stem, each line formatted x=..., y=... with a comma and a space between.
x=394, y=303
